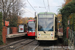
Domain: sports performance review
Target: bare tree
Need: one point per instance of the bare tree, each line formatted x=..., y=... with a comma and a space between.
x=10, y=8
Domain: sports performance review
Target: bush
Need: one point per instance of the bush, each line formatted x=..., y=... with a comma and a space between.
x=1, y=42
x=66, y=11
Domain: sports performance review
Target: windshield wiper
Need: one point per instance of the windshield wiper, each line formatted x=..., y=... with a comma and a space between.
x=44, y=31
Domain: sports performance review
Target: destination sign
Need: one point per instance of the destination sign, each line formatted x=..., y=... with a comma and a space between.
x=31, y=22
x=46, y=16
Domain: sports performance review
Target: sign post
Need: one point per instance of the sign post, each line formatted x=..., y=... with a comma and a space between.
x=6, y=23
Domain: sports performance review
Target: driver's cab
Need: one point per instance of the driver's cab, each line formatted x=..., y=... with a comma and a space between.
x=45, y=27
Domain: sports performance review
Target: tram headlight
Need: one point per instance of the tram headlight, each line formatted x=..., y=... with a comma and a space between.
x=52, y=33
x=39, y=34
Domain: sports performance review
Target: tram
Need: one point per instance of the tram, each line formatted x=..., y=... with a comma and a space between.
x=46, y=27
x=31, y=28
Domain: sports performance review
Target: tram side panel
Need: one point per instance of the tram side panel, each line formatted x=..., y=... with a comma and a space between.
x=56, y=30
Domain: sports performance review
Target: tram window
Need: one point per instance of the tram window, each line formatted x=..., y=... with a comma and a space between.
x=46, y=16
x=45, y=24
x=31, y=26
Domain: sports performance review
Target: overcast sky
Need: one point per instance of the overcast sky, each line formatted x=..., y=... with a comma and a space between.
x=28, y=11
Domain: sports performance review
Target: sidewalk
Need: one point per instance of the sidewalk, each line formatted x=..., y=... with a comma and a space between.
x=15, y=35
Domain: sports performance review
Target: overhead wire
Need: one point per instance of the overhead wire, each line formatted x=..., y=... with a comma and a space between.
x=27, y=10
x=44, y=4
x=31, y=5
x=48, y=5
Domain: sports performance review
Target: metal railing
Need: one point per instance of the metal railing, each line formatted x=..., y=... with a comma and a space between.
x=71, y=38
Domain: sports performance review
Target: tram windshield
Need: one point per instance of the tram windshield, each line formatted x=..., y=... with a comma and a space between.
x=31, y=26
x=45, y=23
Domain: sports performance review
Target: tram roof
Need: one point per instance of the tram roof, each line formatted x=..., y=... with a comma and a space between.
x=30, y=20
x=46, y=12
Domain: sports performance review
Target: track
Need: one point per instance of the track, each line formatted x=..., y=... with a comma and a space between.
x=13, y=43
x=17, y=45
x=32, y=44
x=29, y=46
x=24, y=44
x=52, y=45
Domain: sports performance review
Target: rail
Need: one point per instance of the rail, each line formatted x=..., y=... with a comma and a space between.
x=18, y=45
x=13, y=43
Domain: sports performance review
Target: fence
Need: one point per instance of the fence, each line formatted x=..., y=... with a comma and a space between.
x=71, y=38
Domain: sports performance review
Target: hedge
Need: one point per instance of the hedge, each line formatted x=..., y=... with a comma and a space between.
x=1, y=42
